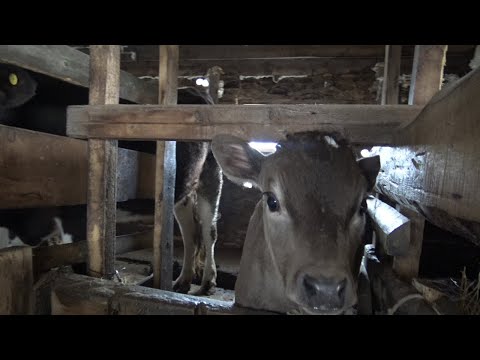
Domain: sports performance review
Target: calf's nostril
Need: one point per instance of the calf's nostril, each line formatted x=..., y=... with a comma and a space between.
x=311, y=286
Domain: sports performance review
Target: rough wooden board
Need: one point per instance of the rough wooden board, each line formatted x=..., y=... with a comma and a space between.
x=391, y=227
x=427, y=73
x=65, y=63
x=406, y=265
x=390, y=86
x=102, y=165
x=435, y=168
x=39, y=169
x=165, y=172
x=361, y=123
x=77, y=294
x=16, y=281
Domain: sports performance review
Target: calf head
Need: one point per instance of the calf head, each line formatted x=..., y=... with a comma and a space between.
x=312, y=213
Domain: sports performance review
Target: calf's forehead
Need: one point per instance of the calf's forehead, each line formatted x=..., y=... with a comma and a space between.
x=328, y=177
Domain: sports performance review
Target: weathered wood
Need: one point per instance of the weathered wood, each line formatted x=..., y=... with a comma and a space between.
x=16, y=281
x=427, y=73
x=40, y=170
x=67, y=64
x=102, y=165
x=361, y=123
x=406, y=265
x=48, y=257
x=391, y=295
x=390, y=86
x=82, y=295
x=434, y=170
x=165, y=176
x=214, y=74
x=391, y=227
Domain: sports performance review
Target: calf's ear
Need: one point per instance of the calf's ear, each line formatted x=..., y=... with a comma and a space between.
x=239, y=162
x=370, y=167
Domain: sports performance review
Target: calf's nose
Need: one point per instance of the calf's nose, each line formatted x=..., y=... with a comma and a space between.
x=324, y=293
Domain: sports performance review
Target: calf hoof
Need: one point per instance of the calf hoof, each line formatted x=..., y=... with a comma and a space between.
x=181, y=286
x=205, y=290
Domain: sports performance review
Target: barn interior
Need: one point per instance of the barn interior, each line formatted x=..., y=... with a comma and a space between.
x=423, y=256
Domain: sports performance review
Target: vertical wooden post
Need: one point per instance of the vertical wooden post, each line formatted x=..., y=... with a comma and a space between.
x=102, y=165
x=427, y=77
x=390, y=88
x=165, y=176
x=16, y=281
x=427, y=73
x=406, y=267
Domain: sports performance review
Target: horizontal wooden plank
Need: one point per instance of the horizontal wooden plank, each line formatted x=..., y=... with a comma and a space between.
x=82, y=295
x=71, y=65
x=360, y=123
x=199, y=52
x=39, y=169
x=48, y=257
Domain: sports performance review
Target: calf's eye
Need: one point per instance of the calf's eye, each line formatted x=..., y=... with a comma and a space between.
x=272, y=202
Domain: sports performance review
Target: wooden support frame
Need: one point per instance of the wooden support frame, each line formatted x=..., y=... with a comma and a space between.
x=70, y=65
x=102, y=165
x=370, y=124
x=390, y=87
x=427, y=73
x=165, y=176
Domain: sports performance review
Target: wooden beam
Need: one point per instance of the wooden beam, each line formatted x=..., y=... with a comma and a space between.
x=391, y=227
x=406, y=265
x=372, y=124
x=48, y=257
x=82, y=295
x=427, y=73
x=165, y=176
x=390, y=87
x=16, y=281
x=434, y=169
x=102, y=165
x=40, y=170
x=67, y=64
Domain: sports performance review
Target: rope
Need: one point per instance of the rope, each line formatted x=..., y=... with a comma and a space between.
x=402, y=301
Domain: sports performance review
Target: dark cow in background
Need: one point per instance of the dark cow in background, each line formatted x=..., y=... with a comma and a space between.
x=303, y=247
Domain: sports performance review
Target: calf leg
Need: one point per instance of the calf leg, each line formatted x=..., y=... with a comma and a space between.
x=209, y=192
x=184, y=214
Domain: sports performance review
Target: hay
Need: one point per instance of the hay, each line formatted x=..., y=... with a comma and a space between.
x=470, y=295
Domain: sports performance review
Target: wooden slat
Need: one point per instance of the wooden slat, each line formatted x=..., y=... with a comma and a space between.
x=70, y=65
x=102, y=165
x=40, y=170
x=427, y=73
x=392, y=228
x=165, y=176
x=435, y=169
x=48, y=257
x=82, y=295
x=16, y=281
x=390, y=87
x=406, y=265
x=363, y=123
